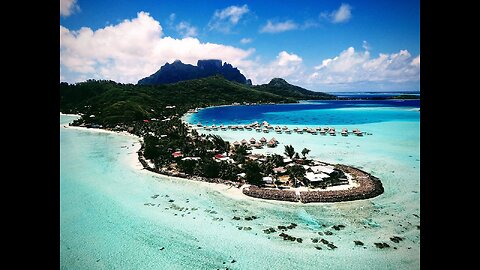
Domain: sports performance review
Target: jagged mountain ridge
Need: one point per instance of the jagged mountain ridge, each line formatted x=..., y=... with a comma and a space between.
x=178, y=71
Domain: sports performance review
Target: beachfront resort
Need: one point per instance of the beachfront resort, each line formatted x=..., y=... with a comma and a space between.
x=174, y=148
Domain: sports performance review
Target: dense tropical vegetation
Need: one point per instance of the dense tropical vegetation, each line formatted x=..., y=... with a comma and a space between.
x=153, y=113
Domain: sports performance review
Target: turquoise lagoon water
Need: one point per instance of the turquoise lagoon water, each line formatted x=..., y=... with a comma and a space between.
x=109, y=219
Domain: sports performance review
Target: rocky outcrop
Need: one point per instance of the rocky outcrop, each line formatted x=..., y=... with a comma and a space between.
x=178, y=71
x=270, y=194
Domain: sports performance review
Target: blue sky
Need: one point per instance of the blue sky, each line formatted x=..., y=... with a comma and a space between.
x=320, y=45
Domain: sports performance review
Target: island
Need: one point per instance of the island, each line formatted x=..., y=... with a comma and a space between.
x=172, y=147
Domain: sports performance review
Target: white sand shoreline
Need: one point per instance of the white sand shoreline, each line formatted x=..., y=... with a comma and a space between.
x=226, y=190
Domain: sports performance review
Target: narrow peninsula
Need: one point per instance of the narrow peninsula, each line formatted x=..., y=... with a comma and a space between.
x=173, y=147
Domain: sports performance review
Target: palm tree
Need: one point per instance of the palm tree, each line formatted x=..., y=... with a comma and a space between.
x=239, y=154
x=305, y=152
x=296, y=173
x=253, y=173
x=289, y=151
x=277, y=160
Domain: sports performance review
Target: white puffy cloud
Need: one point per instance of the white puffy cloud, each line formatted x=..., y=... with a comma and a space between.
x=186, y=30
x=352, y=67
x=223, y=20
x=416, y=61
x=286, y=65
x=68, y=7
x=278, y=27
x=245, y=40
x=341, y=15
x=134, y=49
x=284, y=59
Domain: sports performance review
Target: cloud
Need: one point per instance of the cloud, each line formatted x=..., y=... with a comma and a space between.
x=186, y=30
x=278, y=27
x=134, y=49
x=223, y=20
x=309, y=24
x=68, y=7
x=286, y=65
x=416, y=61
x=352, y=67
x=341, y=15
x=245, y=40
x=365, y=45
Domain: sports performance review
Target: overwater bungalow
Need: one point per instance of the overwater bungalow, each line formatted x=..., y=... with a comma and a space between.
x=223, y=128
x=207, y=128
x=265, y=131
x=272, y=143
x=199, y=124
x=344, y=132
x=258, y=145
x=265, y=123
x=252, y=141
x=263, y=140
x=258, y=129
x=240, y=128
x=314, y=132
x=214, y=127
x=332, y=132
x=322, y=131
x=248, y=128
x=284, y=127
x=236, y=143
x=300, y=131
x=288, y=131
x=279, y=131
x=244, y=142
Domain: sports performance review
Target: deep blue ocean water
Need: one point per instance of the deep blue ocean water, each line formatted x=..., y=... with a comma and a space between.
x=373, y=94
x=338, y=112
